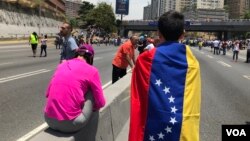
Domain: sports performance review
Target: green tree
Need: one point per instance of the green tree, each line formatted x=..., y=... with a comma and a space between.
x=246, y=15
x=74, y=22
x=85, y=9
x=226, y=7
x=103, y=17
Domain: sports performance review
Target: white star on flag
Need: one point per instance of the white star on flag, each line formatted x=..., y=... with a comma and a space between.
x=171, y=99
x=168, y=129
x=151, y=138
x=161, y=136
x=166, y=90
x=158, y=82
x=172, y=120
x=173, y=110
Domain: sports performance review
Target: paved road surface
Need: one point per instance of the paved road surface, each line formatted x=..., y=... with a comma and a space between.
x=23, y=81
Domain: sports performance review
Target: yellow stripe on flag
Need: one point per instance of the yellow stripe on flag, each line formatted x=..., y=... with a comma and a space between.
x=192, y=100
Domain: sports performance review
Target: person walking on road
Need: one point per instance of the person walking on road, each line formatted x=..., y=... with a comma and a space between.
x=124, y=56
x=44, y=46
x=33, y=40
x=74, y=91
x=216, y=45
x=248, y=51
x=166, y=88
x=69, y=47
x=58, y=41
x=236, y=51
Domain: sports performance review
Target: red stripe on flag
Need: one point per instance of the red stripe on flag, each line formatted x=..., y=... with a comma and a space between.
x=139, y=95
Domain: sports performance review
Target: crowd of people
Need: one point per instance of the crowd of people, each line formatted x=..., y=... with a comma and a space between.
x=164, y=73
x=217, y=46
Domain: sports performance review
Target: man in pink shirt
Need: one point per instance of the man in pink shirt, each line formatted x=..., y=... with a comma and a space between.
x=69, y=105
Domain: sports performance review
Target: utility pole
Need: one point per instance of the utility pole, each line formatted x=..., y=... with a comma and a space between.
x=120, y=26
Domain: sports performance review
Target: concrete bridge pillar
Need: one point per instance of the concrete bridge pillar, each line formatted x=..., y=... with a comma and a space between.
x=222, y=35
x=219, y=35
x=124, y=32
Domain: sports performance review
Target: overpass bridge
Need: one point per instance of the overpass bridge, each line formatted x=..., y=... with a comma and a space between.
x=223, y=28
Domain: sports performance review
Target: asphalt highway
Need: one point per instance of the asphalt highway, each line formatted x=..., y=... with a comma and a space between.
x=23, y=82
x=24, y=79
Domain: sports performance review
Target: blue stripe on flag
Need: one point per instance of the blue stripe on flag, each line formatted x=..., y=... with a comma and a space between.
x=166, y=92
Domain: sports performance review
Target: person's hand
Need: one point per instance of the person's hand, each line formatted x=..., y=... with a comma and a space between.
x=62, y=61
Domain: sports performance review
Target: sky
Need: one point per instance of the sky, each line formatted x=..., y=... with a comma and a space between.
x=135, y=8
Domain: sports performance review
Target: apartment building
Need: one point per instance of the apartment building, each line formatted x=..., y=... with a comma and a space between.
x=180, y=5
x=155, y=6
x=72, y=7
x=237, y=8
x=210, y=4
x=147, y=12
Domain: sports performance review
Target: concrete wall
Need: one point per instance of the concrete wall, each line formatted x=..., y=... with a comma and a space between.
x=106, y=124
x=20, y=24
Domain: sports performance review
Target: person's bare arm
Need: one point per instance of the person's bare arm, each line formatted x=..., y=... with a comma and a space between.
x=129, y=61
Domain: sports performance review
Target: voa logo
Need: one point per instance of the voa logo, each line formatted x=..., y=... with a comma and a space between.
x=236, y=132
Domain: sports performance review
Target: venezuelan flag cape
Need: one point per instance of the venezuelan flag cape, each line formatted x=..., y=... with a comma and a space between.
x=165, y=95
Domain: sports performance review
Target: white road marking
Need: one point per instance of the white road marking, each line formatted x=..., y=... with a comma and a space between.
x=202, y=52
x=97, y=58
x=246, y=76
x=35, y=131
x=224, y=64
x=125, y=99
x=106, y=85
x=6, y=63
x=16, y=46
x=209, y=56
x=13, y=50
x=242, y=58
x=14, y=77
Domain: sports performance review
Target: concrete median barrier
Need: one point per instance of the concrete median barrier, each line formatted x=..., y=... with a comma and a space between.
x=104, y=125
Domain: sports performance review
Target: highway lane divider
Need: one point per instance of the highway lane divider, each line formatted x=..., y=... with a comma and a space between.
x=224, y=64
x=6, y=63
x=104, y=125
x=45, y=125
x=247, y=76
x=24, y=49
x=209, y=56
x=23, y=75
x=97, y=58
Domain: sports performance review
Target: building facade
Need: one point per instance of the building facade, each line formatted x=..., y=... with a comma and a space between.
x=147, y=12
x=72, y=7
x=159, y=7
x=155, y=6
x=210, y=4
x=53, y=6
x=183, y=5
x=237, y=8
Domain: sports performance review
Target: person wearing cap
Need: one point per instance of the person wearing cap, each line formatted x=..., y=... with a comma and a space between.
x=70, y=46
x=142, y=43
x=74, y=92
x=91, y=49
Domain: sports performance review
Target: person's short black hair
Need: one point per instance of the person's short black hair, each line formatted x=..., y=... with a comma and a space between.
x=171, y=25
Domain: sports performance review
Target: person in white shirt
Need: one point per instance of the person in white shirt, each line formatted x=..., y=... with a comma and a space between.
x=216, y=44
x=236, y=51
x=44, y=46
x=150, y=44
